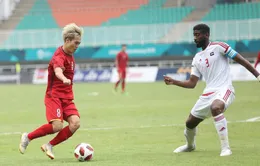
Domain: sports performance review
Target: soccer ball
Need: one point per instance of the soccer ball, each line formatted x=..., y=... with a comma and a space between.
x=84, y=152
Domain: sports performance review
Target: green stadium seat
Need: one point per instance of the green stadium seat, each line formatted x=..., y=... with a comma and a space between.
x=39, y=17
x=239, y=11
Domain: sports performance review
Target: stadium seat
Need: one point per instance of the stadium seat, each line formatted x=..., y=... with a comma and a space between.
x=91, y=12
x=151, y=16
x=240, y=11
x=39, y=17
x=96, y=16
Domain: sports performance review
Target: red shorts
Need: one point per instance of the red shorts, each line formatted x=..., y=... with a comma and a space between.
x=59, y=109
x=122, y=73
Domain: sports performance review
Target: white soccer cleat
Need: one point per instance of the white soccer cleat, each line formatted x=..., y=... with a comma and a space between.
x=47, y=148
x=184, y=148
x=226, y=152
x=24, y=143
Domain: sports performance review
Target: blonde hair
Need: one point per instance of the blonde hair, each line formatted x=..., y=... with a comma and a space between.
x=70, y=31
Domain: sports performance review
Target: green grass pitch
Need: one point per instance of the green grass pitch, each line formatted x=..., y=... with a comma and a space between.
x=140, y=129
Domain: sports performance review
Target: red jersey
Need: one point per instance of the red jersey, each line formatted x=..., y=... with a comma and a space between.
x=55, y=87
x=122, y=59
x=257, y=59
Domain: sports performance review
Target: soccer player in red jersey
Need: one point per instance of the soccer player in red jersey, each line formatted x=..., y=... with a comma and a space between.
x=121, y=65
x=59, y=95
x=257, y=59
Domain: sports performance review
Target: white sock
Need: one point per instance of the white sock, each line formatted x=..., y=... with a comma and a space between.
x=48, y=144
x=190, y=136
x=221, y=127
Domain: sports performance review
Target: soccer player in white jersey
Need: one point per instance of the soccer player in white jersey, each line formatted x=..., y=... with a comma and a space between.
x=212, y=64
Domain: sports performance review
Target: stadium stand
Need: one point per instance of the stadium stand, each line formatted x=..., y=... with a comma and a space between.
x=238, y=11
x=38, y=17
x=49, y=14
x=113, y=22
x=94, y=13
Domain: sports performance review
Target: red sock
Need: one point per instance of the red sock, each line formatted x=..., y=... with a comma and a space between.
x=63, y=135
x=117, y=83
x=123, y=85
x=41, y=131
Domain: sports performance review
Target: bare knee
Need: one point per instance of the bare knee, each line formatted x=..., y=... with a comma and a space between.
x=74, y=123
x=57, y=126
x=192, y=122
x=217, y=107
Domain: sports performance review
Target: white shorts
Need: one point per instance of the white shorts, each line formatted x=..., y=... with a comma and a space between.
x=202, y=110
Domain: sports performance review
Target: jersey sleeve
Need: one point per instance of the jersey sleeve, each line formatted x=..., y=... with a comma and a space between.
x=194, y=70
x=226, y=50
x=58, y=61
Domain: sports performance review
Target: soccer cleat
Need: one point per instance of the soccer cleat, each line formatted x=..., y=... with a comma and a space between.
x=226, y=152
x=47, y=148
x=125, y=93
x=184, y=148
x=24, y=143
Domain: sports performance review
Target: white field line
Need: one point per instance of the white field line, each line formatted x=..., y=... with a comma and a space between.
x=251, y=120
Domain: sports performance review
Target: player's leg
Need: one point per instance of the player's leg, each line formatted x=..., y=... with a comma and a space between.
x=47, y=148
x=189, y=133
x=54, y=117
x=71, y=115
x=68, y=131
x=119, y=79
x=123, y=80
x=218, y=107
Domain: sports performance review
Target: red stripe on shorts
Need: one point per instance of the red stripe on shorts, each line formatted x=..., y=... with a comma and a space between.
x=207, y=94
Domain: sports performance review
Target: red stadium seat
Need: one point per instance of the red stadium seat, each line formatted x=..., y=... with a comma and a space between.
x=91, y=12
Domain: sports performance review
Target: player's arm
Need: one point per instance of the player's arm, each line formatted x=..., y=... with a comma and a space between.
x=116, y=61
x=256, y=62
x=59, y=74
x=226, y=50
x=191, y=83
x=127, y=62
x=241, y=60
x=58, y=66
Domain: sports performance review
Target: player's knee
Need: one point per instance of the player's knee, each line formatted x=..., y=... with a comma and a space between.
x=57, y=126
x=216, y=109
x=75, y=124
x=190, y=124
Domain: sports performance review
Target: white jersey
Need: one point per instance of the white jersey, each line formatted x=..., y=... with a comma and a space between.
x=212, y=64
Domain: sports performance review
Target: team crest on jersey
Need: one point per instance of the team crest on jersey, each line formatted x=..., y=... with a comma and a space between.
x=212, y=53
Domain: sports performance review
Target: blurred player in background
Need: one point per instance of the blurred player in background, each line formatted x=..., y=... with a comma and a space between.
x=121, y=65
x=59, y=95
x=212, y=64
x=257, y=59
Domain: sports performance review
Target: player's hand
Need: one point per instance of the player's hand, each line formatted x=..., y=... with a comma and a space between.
x=67, y=81
x=168, y=80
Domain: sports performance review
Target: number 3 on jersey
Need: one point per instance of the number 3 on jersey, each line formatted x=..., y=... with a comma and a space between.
x=207, y=62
